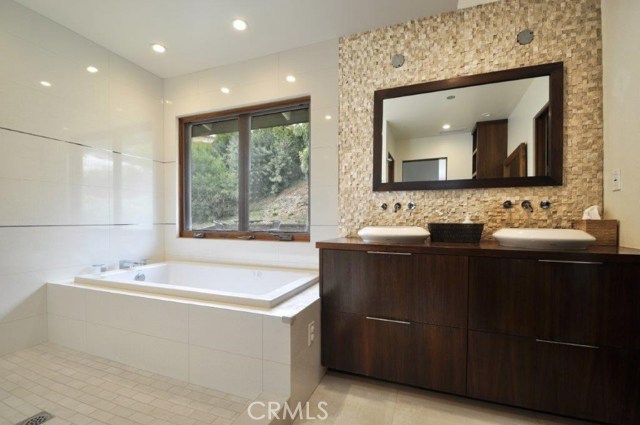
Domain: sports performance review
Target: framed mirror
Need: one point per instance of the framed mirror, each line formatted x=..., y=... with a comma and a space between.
x=500, y=129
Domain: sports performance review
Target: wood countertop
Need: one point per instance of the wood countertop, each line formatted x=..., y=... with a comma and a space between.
x=490, y=249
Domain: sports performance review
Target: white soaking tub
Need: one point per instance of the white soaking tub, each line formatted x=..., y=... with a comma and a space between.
x=243, y=285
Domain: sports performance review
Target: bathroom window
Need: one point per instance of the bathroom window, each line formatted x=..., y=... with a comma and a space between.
x=244, y=173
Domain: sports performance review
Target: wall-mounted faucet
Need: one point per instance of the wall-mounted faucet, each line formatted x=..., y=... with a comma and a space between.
x=130, y=264
x=411, y=206
x=396, y=207
x=507, y=204
x=526, y=205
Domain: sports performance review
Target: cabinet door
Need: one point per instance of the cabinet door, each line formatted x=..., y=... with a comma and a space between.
x=491, y=148
x=572, y=302
x=423, y=355
x=415, y=287
x=363, y=283
x=599, y=384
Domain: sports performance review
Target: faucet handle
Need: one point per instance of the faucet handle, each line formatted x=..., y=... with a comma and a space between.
x=526, y=204
x=507, y=204
x=397, y=206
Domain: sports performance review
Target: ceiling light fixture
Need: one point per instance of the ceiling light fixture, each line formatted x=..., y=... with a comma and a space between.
x=486, y=114
x=92, y=69
x=239, y=24
x=225, y=90
x=45, y=83
x=446, y=127
x=327, y=117
x=291, y=78
x=158, y=48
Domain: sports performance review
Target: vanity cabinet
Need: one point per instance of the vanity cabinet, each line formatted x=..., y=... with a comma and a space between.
x=553, y=335
x=397, y=316
x=557, y=332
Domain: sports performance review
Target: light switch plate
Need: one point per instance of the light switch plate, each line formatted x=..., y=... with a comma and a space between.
x=616, y=180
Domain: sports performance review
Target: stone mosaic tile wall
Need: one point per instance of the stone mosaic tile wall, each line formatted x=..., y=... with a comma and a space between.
x=465, y=42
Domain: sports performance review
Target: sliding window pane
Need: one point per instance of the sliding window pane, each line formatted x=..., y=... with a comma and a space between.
x=279, y=176
x=214, y=176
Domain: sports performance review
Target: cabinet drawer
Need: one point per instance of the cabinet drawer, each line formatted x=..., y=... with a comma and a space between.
x=600, y=384
x=412, y=353
x=413, y=287
x=574, y=302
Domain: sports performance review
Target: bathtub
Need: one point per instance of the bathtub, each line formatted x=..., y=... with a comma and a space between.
x=244, y=285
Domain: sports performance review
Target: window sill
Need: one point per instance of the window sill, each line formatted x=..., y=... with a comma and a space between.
x=257, y=236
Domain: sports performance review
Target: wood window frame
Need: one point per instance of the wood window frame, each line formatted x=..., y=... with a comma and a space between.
x=243, y=175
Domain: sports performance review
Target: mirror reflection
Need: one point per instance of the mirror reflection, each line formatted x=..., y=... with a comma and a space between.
x=498, y=130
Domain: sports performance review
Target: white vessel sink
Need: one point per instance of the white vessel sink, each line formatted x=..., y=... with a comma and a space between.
x=393, y=234
x=544, y=238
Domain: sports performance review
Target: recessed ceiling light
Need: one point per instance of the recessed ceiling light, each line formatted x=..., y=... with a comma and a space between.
x=291, y=78
x=239, y=24
x=92, y=69
x=327, y=117
x=446, y=127
x=225, y=90
x=45, y=83
x=486, y=114
x=158, y=48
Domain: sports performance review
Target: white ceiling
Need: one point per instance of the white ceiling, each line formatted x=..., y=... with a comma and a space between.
x=424, y=115
x=198, y=33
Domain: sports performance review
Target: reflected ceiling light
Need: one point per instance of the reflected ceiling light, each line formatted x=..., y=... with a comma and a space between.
x=45, y=83
x=225, y=90
x=446, y=127
x=239, y=24
x=92, y=69
x=327, y=117
x=486, y=114
x=158, y=48
x=291, y=78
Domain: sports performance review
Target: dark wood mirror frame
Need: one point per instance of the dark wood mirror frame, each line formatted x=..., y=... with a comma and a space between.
x=555, y=71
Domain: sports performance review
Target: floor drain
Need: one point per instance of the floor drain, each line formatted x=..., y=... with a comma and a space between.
x=38, y=419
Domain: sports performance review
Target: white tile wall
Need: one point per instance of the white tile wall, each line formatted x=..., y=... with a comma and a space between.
x=226, y=330
x=241, y=353
x=228, y=372
x=252, y=82
x=159, y=355
x=48, y=182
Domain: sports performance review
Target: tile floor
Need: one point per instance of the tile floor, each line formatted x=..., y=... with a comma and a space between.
x=359, y=401
x=81, y=389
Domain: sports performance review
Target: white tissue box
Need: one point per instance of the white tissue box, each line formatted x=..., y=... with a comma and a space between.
x=605, y=231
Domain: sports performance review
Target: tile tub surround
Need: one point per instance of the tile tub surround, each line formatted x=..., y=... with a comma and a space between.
x=68, y=200
x=465, y=42
x=237, y=350
x=79, y=388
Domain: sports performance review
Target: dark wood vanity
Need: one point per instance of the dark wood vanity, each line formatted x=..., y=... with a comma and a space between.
x=557, y=332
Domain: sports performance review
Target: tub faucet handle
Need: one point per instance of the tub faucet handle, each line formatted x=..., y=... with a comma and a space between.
x=526, y=205
x=396, y=207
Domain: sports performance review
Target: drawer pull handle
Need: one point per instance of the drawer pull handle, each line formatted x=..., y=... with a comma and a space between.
x=571, y=262
x=546, y=341
x=388, y=253
x=380, y=319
